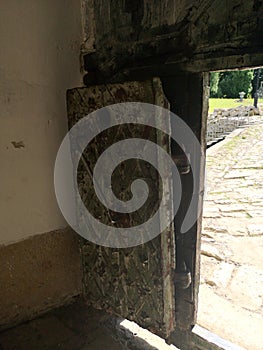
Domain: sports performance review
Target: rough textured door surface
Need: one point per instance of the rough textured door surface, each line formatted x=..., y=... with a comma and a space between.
x=135, y=283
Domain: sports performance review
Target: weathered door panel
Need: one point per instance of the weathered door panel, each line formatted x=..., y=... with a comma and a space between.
x=135, y=283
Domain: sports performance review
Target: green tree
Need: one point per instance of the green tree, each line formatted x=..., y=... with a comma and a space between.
x=233, y=82
x=214, y=80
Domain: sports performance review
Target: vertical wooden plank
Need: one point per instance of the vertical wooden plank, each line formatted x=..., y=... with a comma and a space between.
x=167, y=236
x=188, y=97
x=134, y=283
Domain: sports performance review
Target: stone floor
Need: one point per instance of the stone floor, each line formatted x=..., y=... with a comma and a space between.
x=231, y=291
x=75, y=327
x=80, y=327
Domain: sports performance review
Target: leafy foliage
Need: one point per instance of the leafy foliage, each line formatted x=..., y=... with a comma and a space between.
x=229, y=84
x=214, y=80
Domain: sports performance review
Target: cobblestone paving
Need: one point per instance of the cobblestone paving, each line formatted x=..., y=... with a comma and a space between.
x=231, y=291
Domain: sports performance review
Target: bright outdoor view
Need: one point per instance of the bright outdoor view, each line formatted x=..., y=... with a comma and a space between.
x=230, y=300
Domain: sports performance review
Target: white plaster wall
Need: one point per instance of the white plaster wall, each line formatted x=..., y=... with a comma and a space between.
x=39, y=60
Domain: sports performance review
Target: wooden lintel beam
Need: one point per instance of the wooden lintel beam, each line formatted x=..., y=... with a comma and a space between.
x=174, y=65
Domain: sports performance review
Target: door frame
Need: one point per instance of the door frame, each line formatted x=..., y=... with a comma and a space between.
x=179, y=90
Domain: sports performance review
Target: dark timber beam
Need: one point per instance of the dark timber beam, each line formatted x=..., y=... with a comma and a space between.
x=188, y=95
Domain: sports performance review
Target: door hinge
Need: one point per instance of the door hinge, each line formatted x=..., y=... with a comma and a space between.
x=182, y=276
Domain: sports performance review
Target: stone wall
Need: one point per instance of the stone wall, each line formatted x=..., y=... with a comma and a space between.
x=39, y=257
x=224, y=120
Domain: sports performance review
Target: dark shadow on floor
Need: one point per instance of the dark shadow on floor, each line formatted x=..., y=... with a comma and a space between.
x=72, y=327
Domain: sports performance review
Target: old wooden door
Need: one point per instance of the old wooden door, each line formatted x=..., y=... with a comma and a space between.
x=147, y=283
x=134, y=282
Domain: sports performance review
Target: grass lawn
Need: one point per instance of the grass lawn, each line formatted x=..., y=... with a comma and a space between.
x=229, y=103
